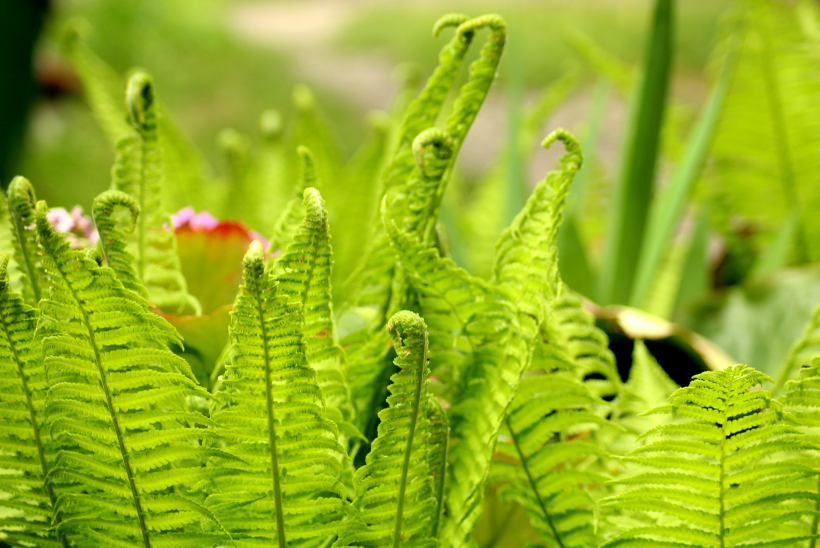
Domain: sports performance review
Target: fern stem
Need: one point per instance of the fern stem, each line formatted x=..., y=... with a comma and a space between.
x=35, y=427
x=722, y=532
x=274, y=457
x=19, y=229
x=531, y=480
x=109, y=405
x=816, y=520
x=408, y=450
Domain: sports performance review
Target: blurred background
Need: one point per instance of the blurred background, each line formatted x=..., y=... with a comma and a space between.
x=738, y=134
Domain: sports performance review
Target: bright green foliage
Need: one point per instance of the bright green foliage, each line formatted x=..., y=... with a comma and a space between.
x=291, y=218
x=306, y=267
x=648, y=387
x=546, y=426
x=282, y=485
x=802, y=351
x=138, y=172
x=394, y=490
x=766, y=141
x=438, y=444
x=21, y=201
x=710, y=475
x=27, y=452
x=112, y=239
x=125, y=444
x=103, y=86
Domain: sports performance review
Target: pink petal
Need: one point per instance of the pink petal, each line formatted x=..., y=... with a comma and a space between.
x=60, y=219
x=183, y=216
x=203, y=221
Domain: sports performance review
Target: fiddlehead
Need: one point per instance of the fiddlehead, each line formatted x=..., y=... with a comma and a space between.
x=21, y=202
x=112, y=239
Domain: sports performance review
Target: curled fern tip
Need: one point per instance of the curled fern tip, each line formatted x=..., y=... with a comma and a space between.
x=449, y=20
x=139, y=98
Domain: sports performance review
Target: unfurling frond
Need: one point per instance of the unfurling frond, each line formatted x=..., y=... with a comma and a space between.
x=27, y=505
x=282, y=485
x=291, y=218
x=112, y=239
x=126, y=446
x=709, y=476
x=21, y=202
x=394, y=490
x=138, y=172
x=526, y=262
x=307, y=266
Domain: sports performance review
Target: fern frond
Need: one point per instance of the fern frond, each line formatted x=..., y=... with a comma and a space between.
x=477, y=336
x=584, y=343
x=311, y=130
x=438, y=445
x=648, y=387
x=548, y=474
x=307, y=269
x=394, y=490
x=157, y=262
x=112, y=239
x=101, y=83
x=802, y=352
x=488, y=211
x=126, y=444
x=21, y=202
x=526, y=262
x=26, y=451
x=291, y=218
x=282, y=486
x=709, y=476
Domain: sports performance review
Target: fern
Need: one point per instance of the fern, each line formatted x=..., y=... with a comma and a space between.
x=112, y=239
x=21, y=201
x=28, y=503
x=291, y=218
x=138, y=172
x=708, y=475
x=546, y=426
x=394, y=490
x=126, y=449
x=307, y=266
x=801, y=352
x=282, y=485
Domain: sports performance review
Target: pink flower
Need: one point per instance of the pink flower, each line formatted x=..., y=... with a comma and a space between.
x=60, y=219
x=188, y=218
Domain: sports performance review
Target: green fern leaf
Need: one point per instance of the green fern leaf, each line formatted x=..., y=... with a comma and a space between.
x=116, y=408
x=112, y=239
x=708, y=475
x=21, y=202
x=307, y=266
x=282, y=486
x=291, y=218
x=438, y=445
x=28, y=503
x=801, y=352
x=157, y=263
x=394, y=490
x=549, y=472
x=526, y=262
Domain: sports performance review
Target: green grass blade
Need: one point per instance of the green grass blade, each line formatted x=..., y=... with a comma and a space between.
x=667, y=211
x=633, y=192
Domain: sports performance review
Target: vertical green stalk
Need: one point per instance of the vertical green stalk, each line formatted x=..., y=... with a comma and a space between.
x=667, y=211
x=633, y=192
x=408, y=450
